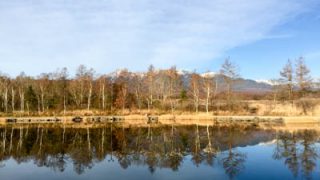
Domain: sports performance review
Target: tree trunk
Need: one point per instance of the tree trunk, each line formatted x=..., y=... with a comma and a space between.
x=207, y=100
x=42, y=101
x=21, y=100
x=81, y=94
x=172, y=105
x=28, y=109
x=111, y=144
x=103, y=97
x=13, y=99
x=11, y=137
x=196, y=99
x=6, y=99
x=124, y=96
x=229, y=97
x=196, y=104
x=4, y=140
x=20, y=139
x=102, y=141
x=215, y=89
x=27, y=132
x=209, y=147
x=64, y=105
x=111, y=97
x=89, y=96
x=89, y=141
x=148, y=104
x=291, y=94
x=63, y=133
x=138, y=99
x=39, y=105
x=40, y=146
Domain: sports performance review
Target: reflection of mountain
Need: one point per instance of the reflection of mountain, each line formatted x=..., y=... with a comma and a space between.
x=256, y=137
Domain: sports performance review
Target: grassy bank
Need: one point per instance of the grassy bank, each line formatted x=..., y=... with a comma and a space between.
x=310, y=107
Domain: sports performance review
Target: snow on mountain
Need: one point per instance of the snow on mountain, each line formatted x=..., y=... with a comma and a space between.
x=209, y=74
x=206, y=74
x=183, y=72
x=269, y=82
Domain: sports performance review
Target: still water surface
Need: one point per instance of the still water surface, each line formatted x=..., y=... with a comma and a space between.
x=54, y=152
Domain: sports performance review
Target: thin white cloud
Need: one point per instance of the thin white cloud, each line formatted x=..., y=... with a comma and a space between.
x=109, y=34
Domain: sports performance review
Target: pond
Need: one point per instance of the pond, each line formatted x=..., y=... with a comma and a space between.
x=156, y=152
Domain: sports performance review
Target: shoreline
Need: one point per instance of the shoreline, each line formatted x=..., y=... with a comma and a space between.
x=264, y=121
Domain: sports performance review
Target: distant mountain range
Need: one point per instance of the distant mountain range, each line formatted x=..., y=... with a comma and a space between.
x=248, y=85
x=241, y=84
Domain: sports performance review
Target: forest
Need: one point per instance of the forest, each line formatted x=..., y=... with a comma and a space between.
x=161, y=91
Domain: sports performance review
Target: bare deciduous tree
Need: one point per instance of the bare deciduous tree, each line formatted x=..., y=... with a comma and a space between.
x=303, y=75
x=102, y=91
x=62, y=78
x=151, y=85
x=22, y=84
x=195, y=85
x=123, y=81
x=4, y=84
x=287, y=79
x=82, y=87
x=137, y=84
x=173, y=86
x=229, y=71
x=43, y=85
x=208, y=88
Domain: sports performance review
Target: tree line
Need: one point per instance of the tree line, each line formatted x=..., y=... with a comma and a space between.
x=166, y=90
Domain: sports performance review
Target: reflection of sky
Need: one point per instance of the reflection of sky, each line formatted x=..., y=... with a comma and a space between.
x=110, y=170
x=258, y=165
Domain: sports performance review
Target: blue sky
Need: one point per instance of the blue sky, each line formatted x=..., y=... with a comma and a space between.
x=41, y=36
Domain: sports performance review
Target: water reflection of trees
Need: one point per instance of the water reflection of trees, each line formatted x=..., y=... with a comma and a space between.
x=56, y=146
x=233, y=161
x=298, y=151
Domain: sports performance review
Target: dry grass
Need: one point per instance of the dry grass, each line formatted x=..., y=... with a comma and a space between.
x=271, y=108
x=241, y=108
